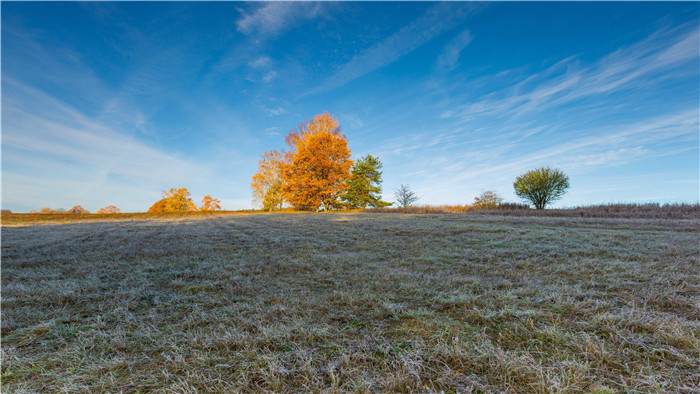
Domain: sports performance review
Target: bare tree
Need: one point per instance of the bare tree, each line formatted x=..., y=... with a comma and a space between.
x=405, y=197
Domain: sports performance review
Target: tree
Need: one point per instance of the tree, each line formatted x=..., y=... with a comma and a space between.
x=77, y=210
x=273, y=197
x=318, y=164
x=109, y=209
x=487, y=200
x=210, y=203
x=266, y=184
x=46, y=210
x=174, y=200
x=541, y=186
x=365, y=184
x=405, y=197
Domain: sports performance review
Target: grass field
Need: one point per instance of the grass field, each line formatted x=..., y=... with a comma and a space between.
x=351, y=302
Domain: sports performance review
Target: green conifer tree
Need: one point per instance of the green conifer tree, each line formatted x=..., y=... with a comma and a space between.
x=365, y=185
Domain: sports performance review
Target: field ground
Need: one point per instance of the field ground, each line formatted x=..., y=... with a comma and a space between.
x=352, y=302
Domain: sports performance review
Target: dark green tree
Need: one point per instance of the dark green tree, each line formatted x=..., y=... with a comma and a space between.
x=365, y=184
x=541, y=186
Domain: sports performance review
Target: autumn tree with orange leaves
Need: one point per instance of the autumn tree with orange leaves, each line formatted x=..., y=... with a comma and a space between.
x=318, y=164
x=109, y=209
x=266, y=184
x=210, y=203
x=174, y=200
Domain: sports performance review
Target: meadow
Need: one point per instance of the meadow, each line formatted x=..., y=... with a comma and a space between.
x=350, y=302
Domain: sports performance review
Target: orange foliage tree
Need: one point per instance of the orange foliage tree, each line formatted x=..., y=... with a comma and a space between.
x=109, y=209
x=266, y=184
x=174, y=200
x=210, y=203
x=77, y=210
x=318, y=164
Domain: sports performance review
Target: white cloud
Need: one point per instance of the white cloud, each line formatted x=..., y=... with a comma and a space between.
x=274, y=111
x=272, y=18
x=260, y=62
x=271, y=131
x=269, y=76
x=447, y=60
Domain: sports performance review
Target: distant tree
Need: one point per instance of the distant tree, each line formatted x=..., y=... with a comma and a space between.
x=5, y=211
x=46, y=210
x=174, y=200
x=266, y=184
x=365, y=184
x=405, y=197
x=541, y=186
x=487, y=200
x=210, y=203
x=77, y=210
x=318, y=165
x=109, y=209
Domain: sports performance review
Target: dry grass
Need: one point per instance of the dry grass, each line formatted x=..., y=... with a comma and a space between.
x=639, y=211
x=352, y=302
x=31, y=219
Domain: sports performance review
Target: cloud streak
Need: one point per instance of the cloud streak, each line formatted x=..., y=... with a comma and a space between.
x=447, y=61
x=437, y=20
x=612, y=73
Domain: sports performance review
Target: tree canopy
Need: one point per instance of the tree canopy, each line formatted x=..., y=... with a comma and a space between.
x=541, y=186
x=318, y=164
x=210, y=203
x=77, y=210
x=365, y=184
x=174, y=200
x=266, y=184
x=109, y=209
x=487, y=200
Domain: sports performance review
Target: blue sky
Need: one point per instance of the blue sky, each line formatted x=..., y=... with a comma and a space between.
x=112, y=103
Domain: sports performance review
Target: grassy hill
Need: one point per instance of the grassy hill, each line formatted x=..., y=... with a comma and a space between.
x=350, y=302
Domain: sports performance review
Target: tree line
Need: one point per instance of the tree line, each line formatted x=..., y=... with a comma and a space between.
x=316, y=173
x=77, y=210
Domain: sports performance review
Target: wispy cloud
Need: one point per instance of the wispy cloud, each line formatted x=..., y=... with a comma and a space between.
x=269, y=76
x=260, y=62
x=613, y=73
x=45, y=140
x=437, y=20
x=274, y=111
x=272, y=131
x=447, y=60
x=274, y=17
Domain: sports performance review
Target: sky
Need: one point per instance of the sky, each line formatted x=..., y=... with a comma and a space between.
x=113, y=103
